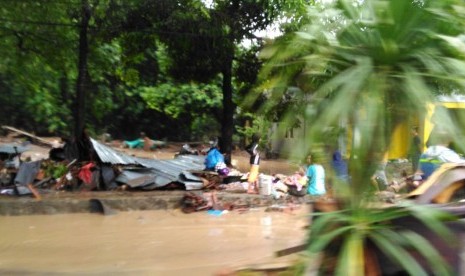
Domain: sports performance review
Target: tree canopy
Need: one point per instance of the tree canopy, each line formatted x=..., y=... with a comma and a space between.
x=106, y=65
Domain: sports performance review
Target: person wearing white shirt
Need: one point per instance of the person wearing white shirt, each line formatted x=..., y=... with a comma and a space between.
x=436, y=155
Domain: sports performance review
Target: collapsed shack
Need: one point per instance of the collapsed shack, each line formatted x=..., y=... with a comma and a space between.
x=87, y=164
x=150, y=174
x=109, y=169
x=10, y=158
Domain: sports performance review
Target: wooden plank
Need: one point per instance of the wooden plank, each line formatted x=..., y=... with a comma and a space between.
x=35, y=138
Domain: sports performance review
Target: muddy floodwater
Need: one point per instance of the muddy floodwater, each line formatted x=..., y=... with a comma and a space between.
x=145, y=242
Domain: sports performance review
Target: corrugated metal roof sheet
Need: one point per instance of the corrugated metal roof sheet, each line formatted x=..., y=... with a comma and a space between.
x=135, y=179
x=13, y=148
x=159, y=172
x=177, y=164
x=112, y=156
x=167, y=171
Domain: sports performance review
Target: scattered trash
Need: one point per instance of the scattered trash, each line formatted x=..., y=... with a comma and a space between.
x=216, y=213
x=91, y=165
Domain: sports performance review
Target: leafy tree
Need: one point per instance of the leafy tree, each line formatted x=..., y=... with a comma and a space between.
x=84, y=61
x=33, y=72
x=185, y=102
x=40, y=51
x=202, y=40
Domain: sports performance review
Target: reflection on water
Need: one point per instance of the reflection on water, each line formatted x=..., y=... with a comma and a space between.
x=144, y=242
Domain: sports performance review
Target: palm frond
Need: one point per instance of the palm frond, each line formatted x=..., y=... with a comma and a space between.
x=351, y=258
x=424, y=247
x=383, y=239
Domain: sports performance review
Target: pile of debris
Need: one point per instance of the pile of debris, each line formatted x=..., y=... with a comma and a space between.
x=88, y=164
x=91, y=165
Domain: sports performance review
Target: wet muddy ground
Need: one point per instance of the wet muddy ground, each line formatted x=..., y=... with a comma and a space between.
x=140, y=240
x=147, y=242
x=150, y=237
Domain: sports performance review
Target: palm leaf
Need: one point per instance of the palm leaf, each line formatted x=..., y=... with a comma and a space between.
x=319, y=241
x=385, y=215
x=348, y=84
x=326, y=220
x=370, y=63
x=351, y=257
x=424, y=247
x=383, y=239
x=432, y=218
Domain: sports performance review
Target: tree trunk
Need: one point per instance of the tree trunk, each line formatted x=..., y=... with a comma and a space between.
x=227, y=128
x=79, y=115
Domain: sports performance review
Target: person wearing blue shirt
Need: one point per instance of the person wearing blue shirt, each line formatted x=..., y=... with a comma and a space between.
x=316, y=177
x=340, y=166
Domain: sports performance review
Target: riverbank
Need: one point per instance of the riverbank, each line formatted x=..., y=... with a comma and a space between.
x=121, y=201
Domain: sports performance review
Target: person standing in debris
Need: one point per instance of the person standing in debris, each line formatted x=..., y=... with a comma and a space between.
x=340, y=167
x=415, y=149
x=252, y=149
x=316, y=175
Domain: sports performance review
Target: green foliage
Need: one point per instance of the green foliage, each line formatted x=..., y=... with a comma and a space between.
x=258, y=125
x=176, y=99
x=351, y=229
x=202, y=40
x=247, y=67
x=196, y=104
x=54, y=169
x=32, y=66
x=372, y=64
x=369, y=64
x=132, y=47
x=204, y=127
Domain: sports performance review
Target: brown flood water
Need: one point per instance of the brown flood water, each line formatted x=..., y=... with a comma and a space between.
x=145, y=242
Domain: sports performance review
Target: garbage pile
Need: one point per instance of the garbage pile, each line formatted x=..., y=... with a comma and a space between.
x=93, y=166
x=90, y=165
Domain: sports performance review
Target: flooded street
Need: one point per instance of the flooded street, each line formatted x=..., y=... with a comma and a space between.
x=145, y=242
